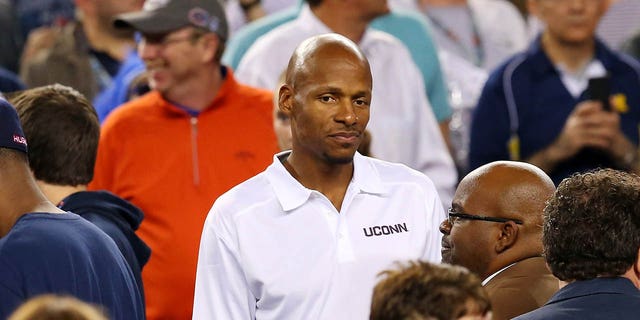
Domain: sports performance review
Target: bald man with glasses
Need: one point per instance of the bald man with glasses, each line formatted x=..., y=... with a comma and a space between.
x=494, y=229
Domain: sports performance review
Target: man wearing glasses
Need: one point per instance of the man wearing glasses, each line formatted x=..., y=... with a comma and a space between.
x=194, y=136
x=494, y=229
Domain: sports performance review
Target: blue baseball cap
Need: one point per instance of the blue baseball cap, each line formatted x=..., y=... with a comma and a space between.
x=11, y=134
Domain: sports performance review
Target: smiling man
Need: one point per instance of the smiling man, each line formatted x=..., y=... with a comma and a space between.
x=174, y=150
x=494, y=229
x=294, y=242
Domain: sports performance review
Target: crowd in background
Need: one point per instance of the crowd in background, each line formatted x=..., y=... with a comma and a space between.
x=141, y=115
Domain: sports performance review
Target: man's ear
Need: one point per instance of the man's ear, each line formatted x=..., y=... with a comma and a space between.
x=507, y=237
x=285, y=99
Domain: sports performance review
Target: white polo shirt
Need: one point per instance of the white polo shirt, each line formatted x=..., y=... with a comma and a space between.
x=273, y=249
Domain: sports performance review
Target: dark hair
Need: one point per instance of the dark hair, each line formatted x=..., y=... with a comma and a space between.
x=592, y=225
x=62, y=129
x=421, y=290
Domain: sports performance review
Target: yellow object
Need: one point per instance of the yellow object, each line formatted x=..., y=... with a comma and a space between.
x=619, y=103
x=514, y=147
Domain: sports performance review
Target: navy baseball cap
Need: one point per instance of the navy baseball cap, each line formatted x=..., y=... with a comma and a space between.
x=11, y=134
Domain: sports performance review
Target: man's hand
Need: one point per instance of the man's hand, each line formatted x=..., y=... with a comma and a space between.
x=589, y=125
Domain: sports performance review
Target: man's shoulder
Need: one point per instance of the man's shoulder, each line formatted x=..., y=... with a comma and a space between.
x=393, y=173
x=247, y=194
x=132, y=112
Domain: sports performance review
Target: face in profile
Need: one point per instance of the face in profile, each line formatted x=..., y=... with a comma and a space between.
x=328, y=102
x=465, y=242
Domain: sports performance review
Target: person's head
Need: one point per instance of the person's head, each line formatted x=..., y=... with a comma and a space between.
x=103, y=12
x=63, y=131
x=13, y=143
x=179, y=39
x=327, y=93
x=365, y=10
x=421, y=290
x=282, y=126
x=592, y=226
x=569, y=22
x=510, y=196
x=52, y=307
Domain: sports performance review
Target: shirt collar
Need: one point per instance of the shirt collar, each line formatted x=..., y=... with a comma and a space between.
x=292, y=194
x=542, y=64
x=485, y=281
x=619, y=285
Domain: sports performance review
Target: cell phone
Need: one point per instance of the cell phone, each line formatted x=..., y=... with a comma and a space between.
x=600, y=89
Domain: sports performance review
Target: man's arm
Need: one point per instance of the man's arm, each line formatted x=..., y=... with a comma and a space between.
x=221, y=288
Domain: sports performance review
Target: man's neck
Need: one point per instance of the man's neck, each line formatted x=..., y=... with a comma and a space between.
x=330, y=179
x=199, y=91
x=55, y=193
x=341, y=21
x=573, y=56
x=19, y=195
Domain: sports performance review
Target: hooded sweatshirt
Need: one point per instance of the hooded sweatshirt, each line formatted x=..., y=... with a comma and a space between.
x=116, y=217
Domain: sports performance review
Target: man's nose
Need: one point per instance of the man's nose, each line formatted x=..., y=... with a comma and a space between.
x=445, y=227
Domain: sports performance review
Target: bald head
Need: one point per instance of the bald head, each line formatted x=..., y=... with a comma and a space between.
x=313, y=53
x=509, y=189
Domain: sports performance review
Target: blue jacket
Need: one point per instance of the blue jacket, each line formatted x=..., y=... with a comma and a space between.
x=525, y=97
x=116, y=217
x=600, y=298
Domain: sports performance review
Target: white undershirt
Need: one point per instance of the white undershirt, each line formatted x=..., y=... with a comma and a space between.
x=576, y=82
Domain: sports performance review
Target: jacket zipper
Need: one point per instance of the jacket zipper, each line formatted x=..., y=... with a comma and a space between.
x=194, y=151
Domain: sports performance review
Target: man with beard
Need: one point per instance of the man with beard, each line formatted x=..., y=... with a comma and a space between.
x=494, y=229
x=306, y=238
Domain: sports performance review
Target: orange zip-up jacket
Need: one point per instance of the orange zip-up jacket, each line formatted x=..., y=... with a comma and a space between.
x=173, y=166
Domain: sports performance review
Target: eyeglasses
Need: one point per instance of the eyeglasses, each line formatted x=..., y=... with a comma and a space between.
x=455, y=216
x=163, y=40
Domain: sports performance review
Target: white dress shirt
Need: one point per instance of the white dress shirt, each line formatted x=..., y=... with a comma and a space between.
x=273, y=249
x=402, y=125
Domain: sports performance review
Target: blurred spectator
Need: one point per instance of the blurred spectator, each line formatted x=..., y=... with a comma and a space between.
x=498, y=237
x=52, y=116
x=33, y=14
x=241, y=12
x=52, y=307
x=9, y=81
x=471, y=44
x=402, y=125
x=46, y=250
x=591, y=239
x=86, y=54
x=421, y=290
x=172, y=151
x=617, y=24
x=12, y=40
x=538, y=107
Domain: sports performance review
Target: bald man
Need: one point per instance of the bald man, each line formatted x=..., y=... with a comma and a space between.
x=494, y=228
x=306, y=238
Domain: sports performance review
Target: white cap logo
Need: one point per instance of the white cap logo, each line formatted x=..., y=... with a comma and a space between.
x=154, y=4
